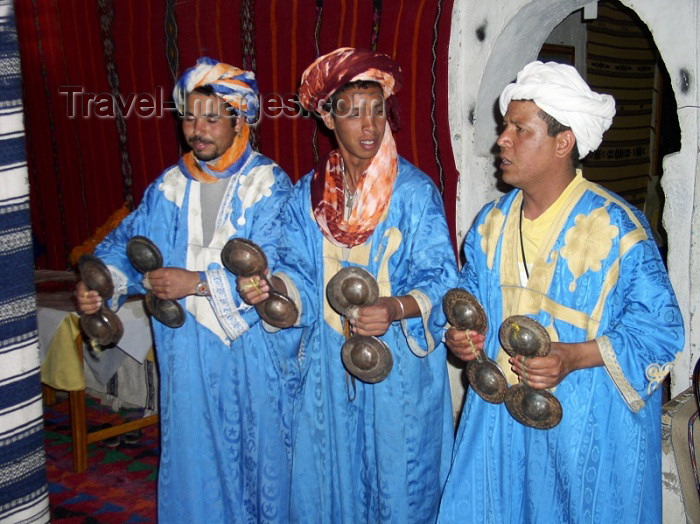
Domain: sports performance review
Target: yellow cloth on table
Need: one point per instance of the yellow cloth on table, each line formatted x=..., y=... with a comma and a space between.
x=63, y=366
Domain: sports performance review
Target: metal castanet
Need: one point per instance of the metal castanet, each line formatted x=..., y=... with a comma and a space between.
x=103, y=327
x=366, y=358
x=521, y=335
x=165, y=311
x=351, y=286
x=464, y=312
x=244, y=258
x=537, y=408
x=145, y=256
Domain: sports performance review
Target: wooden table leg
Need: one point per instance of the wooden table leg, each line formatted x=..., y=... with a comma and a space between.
x=49, y=395
x=78, y=426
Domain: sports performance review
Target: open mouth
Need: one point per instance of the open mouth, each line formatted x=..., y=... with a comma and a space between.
x=199, y=144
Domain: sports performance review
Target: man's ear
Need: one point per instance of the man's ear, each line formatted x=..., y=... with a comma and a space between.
x=565, y=143
x=240, y=122
x=327, y=118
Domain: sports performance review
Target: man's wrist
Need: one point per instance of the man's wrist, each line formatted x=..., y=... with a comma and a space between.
x=201, y=289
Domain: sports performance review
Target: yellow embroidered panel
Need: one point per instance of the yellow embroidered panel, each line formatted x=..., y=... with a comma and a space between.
x=588, y=243
x=490, y=232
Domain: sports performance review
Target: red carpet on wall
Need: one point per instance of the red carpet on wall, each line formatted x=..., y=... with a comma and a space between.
x=119, y=485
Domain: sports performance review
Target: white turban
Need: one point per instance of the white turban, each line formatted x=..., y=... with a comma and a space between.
x=560, y=91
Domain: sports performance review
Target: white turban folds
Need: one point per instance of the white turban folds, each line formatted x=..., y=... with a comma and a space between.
x=560, y=91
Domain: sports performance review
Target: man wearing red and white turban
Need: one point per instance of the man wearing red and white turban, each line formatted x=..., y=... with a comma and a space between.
x=367, y=448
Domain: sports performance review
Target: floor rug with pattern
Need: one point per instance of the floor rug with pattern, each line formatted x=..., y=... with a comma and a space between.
x=119, y=485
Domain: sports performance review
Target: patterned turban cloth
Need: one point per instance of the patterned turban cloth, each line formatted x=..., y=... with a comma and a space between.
x=236, y=87
x=318, y=83
x=332, y=71
x=560, y=91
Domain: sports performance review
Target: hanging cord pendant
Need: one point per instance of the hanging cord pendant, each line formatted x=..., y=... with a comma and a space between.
x=522, y=244
x=349, y=197
x=350, y=385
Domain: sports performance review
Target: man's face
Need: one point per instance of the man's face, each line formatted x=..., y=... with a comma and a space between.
x=359, y=122
x=207, y=126
x=526, y=150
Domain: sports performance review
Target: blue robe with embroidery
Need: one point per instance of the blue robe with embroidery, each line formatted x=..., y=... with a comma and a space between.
x=383, y=456
x=598, y=275
x=223, y=416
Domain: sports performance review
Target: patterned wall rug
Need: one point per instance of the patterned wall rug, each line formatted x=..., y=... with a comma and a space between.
x=622, y=62
x=119, y=485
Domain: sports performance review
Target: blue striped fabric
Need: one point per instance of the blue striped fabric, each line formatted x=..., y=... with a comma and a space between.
x=23, y=489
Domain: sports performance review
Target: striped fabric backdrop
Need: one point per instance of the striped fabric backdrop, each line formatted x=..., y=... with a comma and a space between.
x=23, y=489
x=85, y=163
x=621, y=62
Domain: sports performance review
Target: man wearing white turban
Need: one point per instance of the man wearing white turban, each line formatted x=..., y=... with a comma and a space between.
x=225, y=445
x=581, y=262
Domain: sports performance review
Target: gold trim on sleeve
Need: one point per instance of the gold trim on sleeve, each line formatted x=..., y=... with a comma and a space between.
x=631, y=397
x=426, y=308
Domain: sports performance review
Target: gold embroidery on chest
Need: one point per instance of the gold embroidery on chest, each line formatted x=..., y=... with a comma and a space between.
x=588, y=243
x=490, y=231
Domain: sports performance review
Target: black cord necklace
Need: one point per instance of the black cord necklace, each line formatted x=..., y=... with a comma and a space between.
x=522, y=245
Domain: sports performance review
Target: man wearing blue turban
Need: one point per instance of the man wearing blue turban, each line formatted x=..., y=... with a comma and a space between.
x=224, y=425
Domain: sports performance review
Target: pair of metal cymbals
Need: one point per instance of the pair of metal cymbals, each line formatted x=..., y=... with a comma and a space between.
x=103, y=326
x=145, y=256
x=245, y=259
x=538, y=408
x=519, y=335
x=464, y=312
x=366, y=358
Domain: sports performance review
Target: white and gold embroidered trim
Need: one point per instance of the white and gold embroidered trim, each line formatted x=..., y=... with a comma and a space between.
x=631, y=397
x=656, y=374
x=426, y=307
x=219, y=312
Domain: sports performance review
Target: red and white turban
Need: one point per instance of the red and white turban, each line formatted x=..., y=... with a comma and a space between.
x=330, y=72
